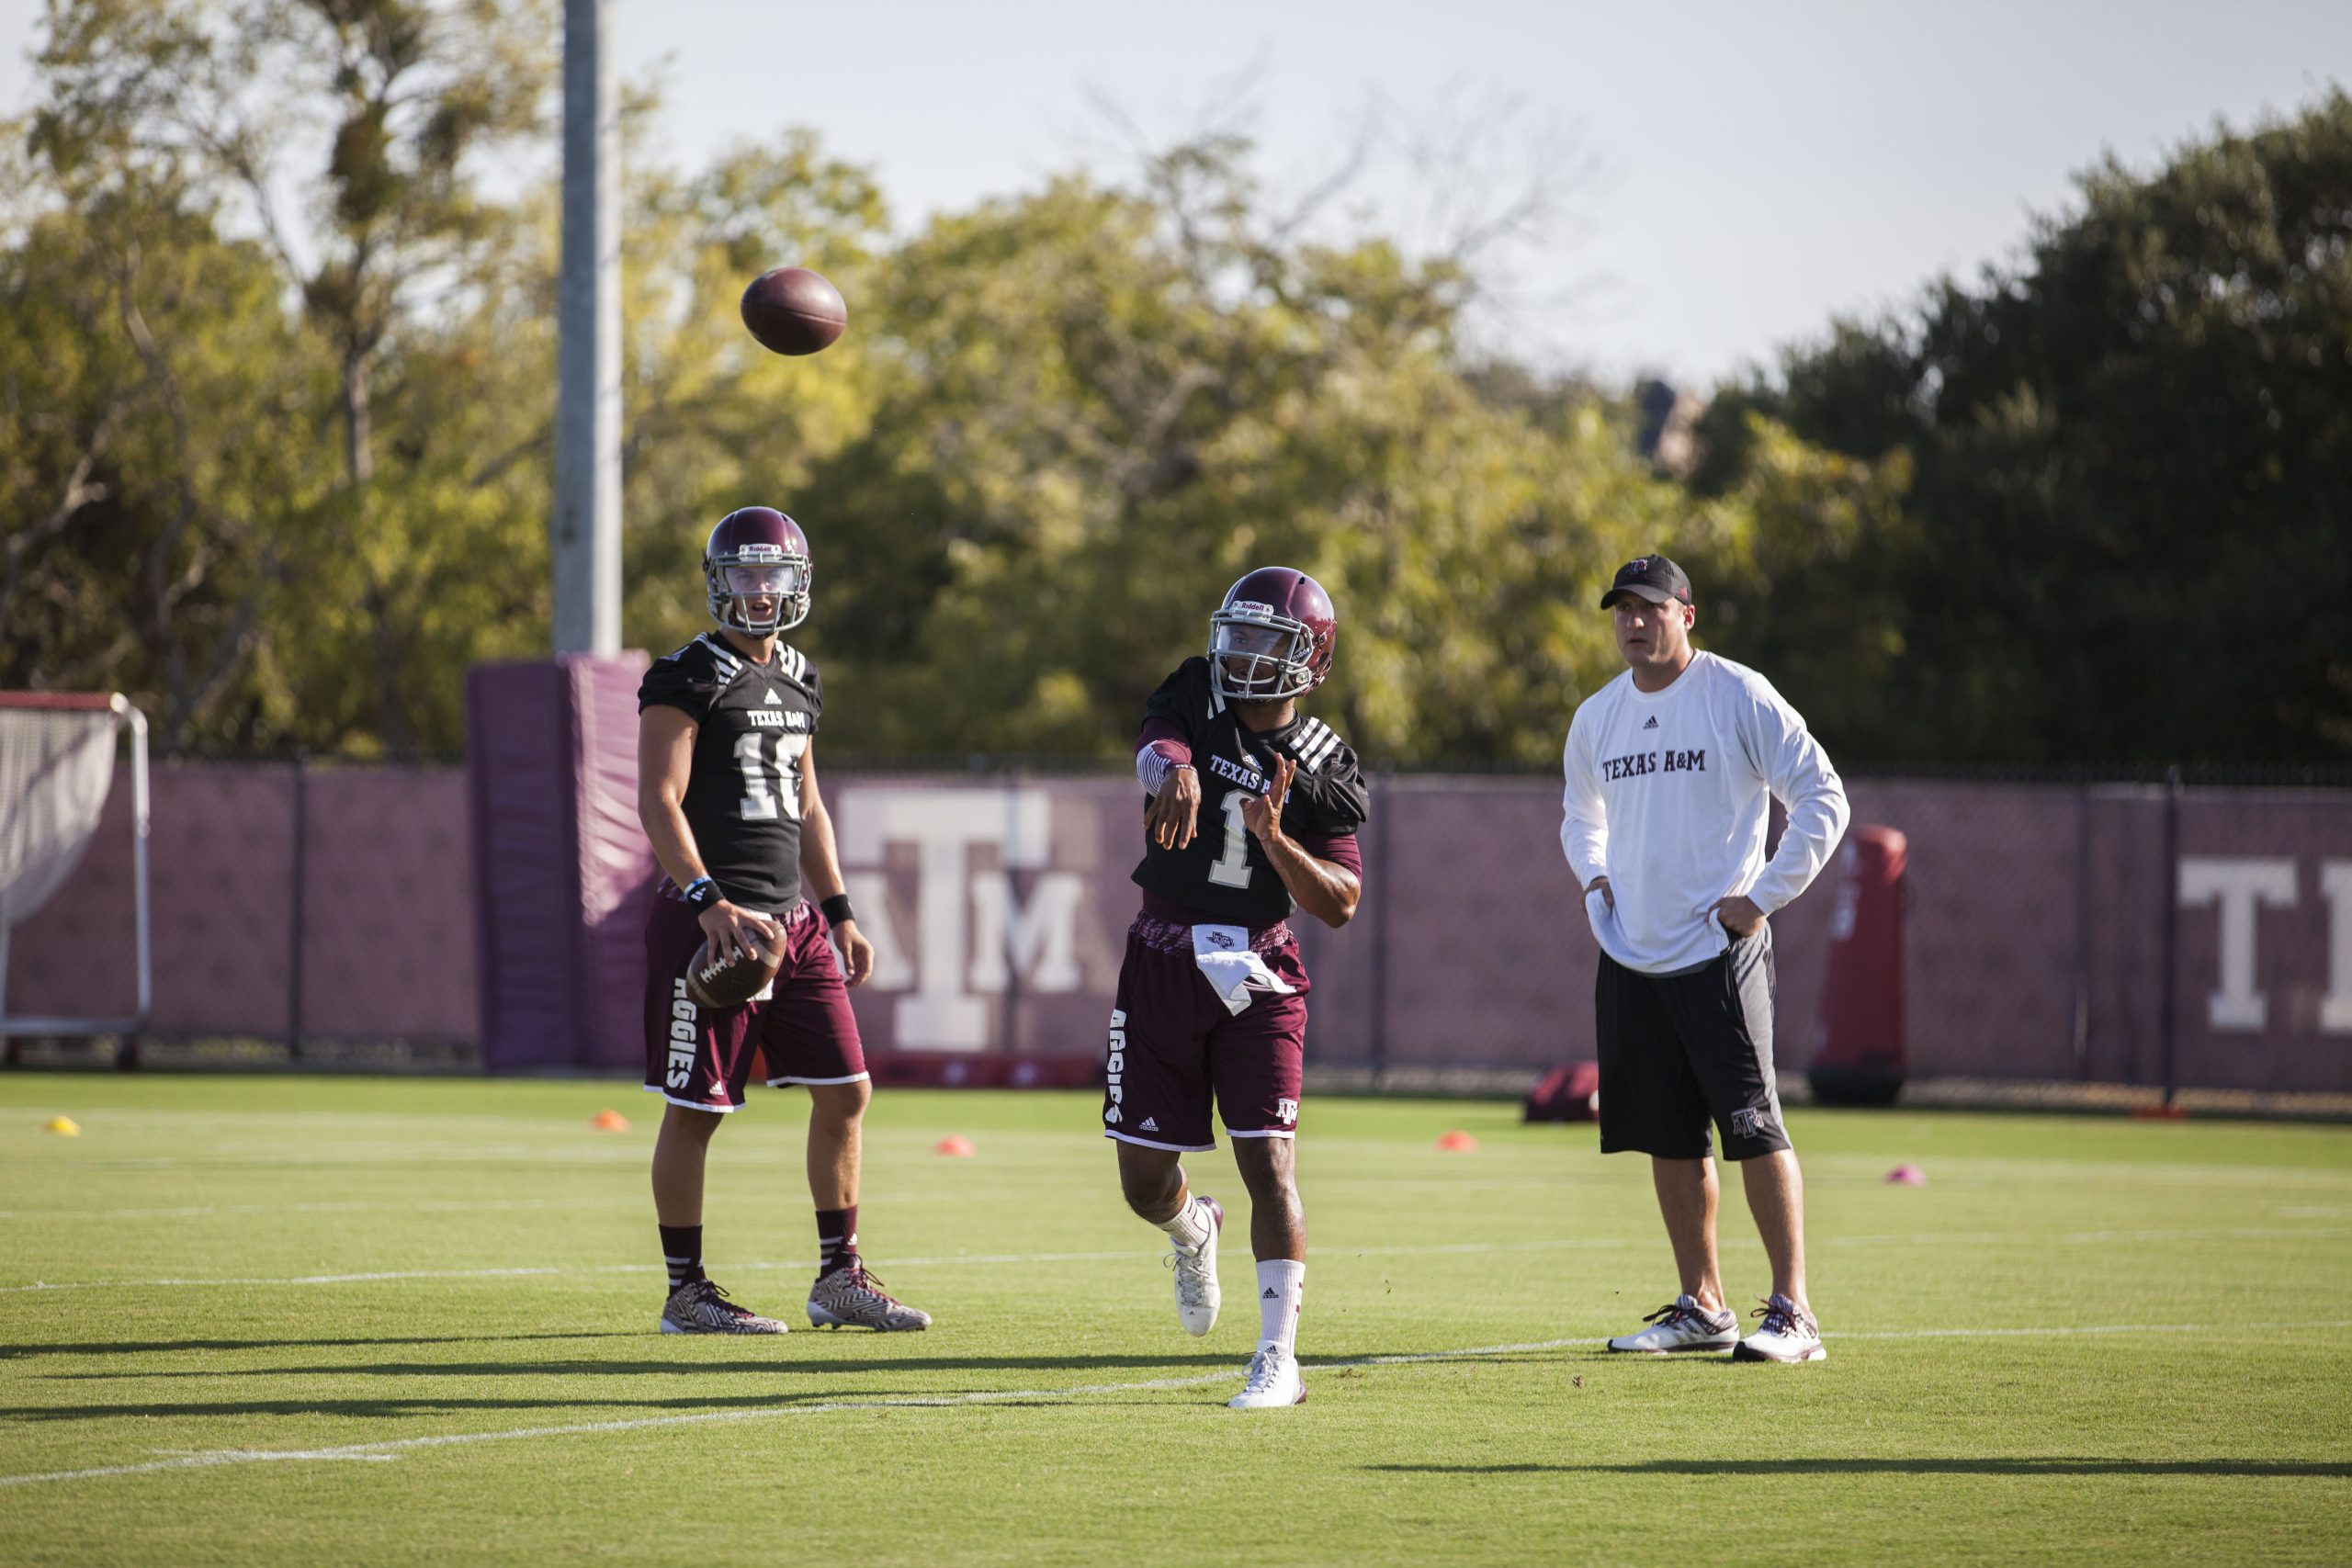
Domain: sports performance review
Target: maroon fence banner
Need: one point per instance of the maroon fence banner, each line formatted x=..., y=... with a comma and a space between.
x=374, y=860
x=2046, y=939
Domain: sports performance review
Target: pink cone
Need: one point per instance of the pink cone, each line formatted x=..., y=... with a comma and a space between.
x=954, y=1146
x=1907, y=1175
x=1458, y=1142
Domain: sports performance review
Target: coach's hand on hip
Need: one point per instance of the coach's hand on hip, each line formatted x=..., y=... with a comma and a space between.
x=1738, y=915
x=1607, y=896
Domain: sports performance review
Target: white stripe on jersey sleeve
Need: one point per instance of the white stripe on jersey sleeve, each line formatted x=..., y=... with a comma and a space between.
x=728, y=665
x=1317, y=749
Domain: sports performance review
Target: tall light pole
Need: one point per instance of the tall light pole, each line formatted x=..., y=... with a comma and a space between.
x=587, y=523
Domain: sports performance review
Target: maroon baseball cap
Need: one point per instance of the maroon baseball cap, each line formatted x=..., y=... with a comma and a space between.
x=1655, y=578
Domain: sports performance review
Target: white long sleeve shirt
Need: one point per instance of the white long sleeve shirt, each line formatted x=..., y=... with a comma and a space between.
x=1666, y=798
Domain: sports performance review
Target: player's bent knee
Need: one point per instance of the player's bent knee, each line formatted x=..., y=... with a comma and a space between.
x=1149, y=1181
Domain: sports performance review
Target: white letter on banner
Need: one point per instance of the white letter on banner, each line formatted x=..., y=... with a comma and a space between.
x=945, y=825
x=1039, y=942
x=2335, y=887
x=2238, y=883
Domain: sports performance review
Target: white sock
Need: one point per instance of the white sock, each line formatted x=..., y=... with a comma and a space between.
x=1191, y=1225
x=1281, y=1284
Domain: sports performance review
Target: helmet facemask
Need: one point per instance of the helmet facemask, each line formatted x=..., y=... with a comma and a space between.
x=1256, y=655
x=755, y=573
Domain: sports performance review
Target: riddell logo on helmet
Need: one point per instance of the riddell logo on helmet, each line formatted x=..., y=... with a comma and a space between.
x=1249, y=610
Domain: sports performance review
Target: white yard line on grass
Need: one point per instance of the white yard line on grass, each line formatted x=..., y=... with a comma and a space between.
x=394, y=1446
x=1927, y=1238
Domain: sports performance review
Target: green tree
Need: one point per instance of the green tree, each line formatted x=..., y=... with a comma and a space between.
x=1097, y=406
x=2130, y=454
x=376, y=118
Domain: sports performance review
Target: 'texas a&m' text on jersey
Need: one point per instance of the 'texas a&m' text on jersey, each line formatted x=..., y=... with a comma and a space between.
x=1224, y=873
x=743, y=793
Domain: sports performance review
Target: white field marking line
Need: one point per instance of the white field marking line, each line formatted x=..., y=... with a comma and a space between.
x=1435, y=1249
x=2065, y=1332
x=392, y=1447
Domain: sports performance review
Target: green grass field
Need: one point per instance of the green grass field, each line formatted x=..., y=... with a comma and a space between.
x=365, y=1321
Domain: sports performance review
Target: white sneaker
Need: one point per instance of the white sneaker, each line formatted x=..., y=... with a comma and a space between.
x=1273, y=1382
x=1789, y=1334
x=1684, y=1326
x=1197, y=1295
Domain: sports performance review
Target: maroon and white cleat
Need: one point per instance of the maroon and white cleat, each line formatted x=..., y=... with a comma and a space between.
x=700, y=1307
x=851, y=1298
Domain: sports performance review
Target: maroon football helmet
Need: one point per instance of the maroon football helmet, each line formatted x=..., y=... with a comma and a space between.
x=756, y=552
x=1272, y=637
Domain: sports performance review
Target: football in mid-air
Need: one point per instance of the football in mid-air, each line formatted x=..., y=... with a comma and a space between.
x=793, y=310
x=715, y=983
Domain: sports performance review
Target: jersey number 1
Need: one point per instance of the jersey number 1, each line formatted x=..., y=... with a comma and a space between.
x=1231, y=869
x=760, y=802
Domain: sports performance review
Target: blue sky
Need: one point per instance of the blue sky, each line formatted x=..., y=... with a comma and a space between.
x=1759, y=167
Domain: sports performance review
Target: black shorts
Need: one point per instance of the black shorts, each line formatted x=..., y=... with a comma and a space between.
x=1679, y=1051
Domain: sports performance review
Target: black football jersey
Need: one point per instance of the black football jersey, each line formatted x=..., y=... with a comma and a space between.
x=1224, y=872
x=744, y=794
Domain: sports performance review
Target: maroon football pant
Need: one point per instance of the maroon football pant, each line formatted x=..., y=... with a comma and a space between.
x=1175, y=1045
x=703, y=1057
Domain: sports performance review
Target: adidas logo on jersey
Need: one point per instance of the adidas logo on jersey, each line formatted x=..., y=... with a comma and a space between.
x=1650, y=724
x=776, y=702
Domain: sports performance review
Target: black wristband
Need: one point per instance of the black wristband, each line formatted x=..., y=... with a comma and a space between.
x=837, y=909
x=701, y=894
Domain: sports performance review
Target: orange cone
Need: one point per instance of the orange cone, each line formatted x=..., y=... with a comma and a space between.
x=609, y=1121
x=1458, y=1142
x=954, y=1146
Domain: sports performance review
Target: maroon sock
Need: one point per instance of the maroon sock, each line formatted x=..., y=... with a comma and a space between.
x=682, y=1250
x=836, y=1238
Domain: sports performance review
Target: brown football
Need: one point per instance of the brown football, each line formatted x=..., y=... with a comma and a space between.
x=793, y=310
x=718, y=984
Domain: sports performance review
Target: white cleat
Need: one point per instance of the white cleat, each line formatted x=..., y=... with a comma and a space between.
x=1197, y=1295
x=1684, y=1326
x=1789, y=1334
x=1273, y=1382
